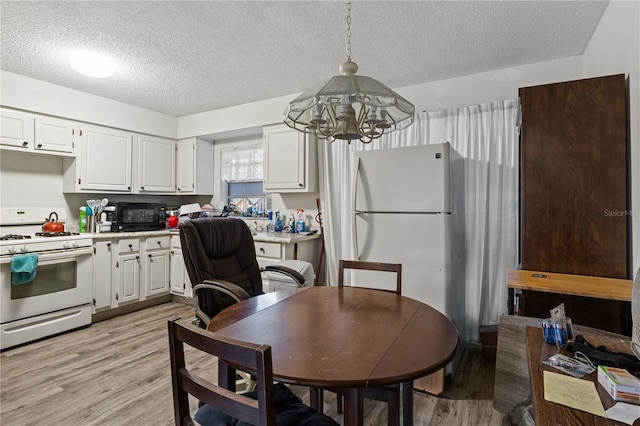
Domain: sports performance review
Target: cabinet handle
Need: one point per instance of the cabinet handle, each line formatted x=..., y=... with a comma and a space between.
x=262, y=250
x=109, y=246
x=117, y=264
x=39, y=145
x=150, y=258
x=178, y=189
x=80, y=132
x=142, y=188
x=159, y=243
x=129, y=188
x=300, y=185
x=138, y=258
x=172, y=253
x=130, y=246
x=94, y=302
x=25, y=143
x=116, y=296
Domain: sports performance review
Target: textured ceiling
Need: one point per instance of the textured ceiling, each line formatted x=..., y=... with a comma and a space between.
x=184, y=57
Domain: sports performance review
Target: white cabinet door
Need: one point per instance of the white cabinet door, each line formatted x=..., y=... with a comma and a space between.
x=105, y=160
x=194, y=167
x=157, y=273
x=186, y=166
x=55, y=134
x=102, y=268
x=156, y=165
x=128, y=267
x=16, y=129
x=290, y=163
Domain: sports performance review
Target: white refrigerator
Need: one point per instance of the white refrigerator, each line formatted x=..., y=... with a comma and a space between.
x=408, y=208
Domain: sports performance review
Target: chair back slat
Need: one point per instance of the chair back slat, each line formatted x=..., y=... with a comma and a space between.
x=254, y=357
x=371, y=266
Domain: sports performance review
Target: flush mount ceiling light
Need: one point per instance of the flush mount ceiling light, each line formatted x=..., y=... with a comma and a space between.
x=348, y=106
x=91, y=63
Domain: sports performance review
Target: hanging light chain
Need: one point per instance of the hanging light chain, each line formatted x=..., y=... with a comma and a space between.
x=349, y=30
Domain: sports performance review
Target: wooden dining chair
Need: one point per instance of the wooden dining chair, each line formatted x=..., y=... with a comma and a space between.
x=388, y=394
x=371, y=266
x=222, y=405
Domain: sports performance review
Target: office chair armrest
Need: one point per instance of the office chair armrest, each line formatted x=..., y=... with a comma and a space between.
x=230, y=289
x=234, y=291
x=287, y=271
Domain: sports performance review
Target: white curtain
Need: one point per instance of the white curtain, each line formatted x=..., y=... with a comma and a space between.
x=486, y=136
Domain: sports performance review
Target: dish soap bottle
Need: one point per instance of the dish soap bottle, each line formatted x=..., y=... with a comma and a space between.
x=82, y=225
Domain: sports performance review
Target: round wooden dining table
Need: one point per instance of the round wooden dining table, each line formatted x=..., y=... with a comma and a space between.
x=344, y=337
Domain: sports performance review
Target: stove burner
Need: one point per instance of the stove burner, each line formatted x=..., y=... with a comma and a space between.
x=14, y=237
x=55, y=234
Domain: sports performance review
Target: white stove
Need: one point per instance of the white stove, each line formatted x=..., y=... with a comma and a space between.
x=58, y=295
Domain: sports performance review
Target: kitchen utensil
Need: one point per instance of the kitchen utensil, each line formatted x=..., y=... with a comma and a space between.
x=52, y=225
x=103, y=204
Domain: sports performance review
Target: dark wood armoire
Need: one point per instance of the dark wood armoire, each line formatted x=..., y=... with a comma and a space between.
x=574, y=193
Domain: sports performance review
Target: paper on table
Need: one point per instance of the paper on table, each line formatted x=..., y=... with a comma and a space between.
x=623, y=412
x=575, y=393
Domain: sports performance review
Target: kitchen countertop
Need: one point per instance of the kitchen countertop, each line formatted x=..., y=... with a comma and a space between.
x=283, y=237
x=137, y=234
x=272, y=237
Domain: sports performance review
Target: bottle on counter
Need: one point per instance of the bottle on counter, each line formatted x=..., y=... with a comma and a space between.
x=300, y=225
x=278, y=225
x=82, y=223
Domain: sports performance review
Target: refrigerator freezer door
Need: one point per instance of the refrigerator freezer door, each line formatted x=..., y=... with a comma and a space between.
x=409, y=179
x=421, y=243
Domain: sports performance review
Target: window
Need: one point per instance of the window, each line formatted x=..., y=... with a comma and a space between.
x=242, y=173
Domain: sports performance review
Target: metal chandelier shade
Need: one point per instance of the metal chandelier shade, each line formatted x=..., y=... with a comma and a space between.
x=348, y=106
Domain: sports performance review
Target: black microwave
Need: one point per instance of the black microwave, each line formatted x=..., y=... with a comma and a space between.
x=125, y=217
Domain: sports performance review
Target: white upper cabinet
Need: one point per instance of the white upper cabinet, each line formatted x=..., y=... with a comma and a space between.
x=290, y=160
x=103, y=164
x=55, y=134
x=16, y=129
x=194, y=167
x=156, y=165
x=30, y=132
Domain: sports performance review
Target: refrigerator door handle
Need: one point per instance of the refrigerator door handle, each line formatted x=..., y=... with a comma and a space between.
x=354, y=232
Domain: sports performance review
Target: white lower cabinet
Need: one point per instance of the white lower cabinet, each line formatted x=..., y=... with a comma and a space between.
x=180, y=282
x=102, y=275
x=157, y=265
x=128, y=268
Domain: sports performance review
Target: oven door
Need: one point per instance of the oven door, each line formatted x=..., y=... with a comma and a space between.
x=63, y=280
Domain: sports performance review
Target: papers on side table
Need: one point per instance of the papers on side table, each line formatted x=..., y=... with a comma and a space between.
x=624, y=413
x=572, y=392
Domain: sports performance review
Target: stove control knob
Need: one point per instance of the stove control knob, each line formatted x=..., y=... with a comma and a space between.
x=24, y=249
x=12, y=250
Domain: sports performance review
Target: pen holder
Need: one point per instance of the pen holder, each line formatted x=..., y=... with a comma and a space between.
x=557, y=333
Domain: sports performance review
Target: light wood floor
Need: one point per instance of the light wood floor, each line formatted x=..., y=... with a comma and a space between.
x=116, y=372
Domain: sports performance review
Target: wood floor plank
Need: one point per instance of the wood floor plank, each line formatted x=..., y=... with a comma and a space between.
x=116, y=372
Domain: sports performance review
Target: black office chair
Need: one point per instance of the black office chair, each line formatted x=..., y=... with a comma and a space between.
x=268, y=405
x=220, y=258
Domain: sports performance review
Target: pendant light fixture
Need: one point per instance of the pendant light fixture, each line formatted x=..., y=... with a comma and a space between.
x=348, y=106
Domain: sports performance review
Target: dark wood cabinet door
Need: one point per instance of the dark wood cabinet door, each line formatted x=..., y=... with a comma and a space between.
x=574, y=197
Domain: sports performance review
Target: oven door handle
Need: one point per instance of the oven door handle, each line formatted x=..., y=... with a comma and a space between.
x=68, y=254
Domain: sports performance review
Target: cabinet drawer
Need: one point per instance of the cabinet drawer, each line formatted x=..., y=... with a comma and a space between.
x=268, y=250
x=156, y=243
x=128, y=245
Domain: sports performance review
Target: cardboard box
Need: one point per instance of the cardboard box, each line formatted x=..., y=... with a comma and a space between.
x=620, y=384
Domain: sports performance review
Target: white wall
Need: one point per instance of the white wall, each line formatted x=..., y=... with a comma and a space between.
x=615, y=48
x=17, y=91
